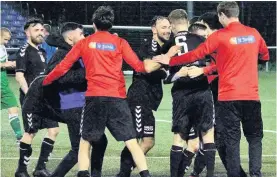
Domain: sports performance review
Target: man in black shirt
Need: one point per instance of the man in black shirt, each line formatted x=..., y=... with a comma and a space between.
x=193, y=108
x=145, y=93
x=30, y=63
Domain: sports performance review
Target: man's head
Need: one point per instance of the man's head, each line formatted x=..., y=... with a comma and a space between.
x=103, y=18
x=178, y=18
x=47, y=29
x=72, y=32
x=161, y=28
x=211, y=21
x=199, y=29
x=228, y=11
x=34, y=30
x=5, y=35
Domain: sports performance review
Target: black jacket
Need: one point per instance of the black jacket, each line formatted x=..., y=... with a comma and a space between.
x=74, y=80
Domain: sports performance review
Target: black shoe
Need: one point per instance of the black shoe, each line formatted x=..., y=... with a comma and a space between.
x=83, y=174
x=21, y=174
x=42, y=173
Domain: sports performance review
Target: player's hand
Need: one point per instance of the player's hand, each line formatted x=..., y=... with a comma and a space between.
x=9, y=64
x=13, y=64
x=195, y=71
x=115, y=34
x=163, y=59
x=183, y=72
x=173, y=51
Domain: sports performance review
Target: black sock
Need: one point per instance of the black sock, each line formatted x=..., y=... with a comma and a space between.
x=126, y=163
x=176, y=155
x=209, y=153
x=47, y=146
x=144, y=173
x=25, y=152
x=97, y=156
x=68, y=162
x=84, y=173
x=186, y=161
x=199, y=163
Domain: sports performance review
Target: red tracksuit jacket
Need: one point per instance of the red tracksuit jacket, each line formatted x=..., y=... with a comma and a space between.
x=102, y=54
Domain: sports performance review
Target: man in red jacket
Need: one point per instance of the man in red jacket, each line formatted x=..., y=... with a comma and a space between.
x=237, y=47
x=106, y=104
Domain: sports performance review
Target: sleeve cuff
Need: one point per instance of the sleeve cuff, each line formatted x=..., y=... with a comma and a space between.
x=20, y=70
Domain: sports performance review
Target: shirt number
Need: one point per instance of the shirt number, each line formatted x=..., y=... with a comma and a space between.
x=181, y=41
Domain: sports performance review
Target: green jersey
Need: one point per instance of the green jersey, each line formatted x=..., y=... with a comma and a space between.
x=3, y=59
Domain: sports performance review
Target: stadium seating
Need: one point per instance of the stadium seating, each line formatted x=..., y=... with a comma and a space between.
x=13, y=19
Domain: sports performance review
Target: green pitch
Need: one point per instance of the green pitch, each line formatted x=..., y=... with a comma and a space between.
x=158, y=158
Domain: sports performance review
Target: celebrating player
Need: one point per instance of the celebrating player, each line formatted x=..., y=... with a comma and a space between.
x=105, y=106
x=193, y=108
x=145, y=93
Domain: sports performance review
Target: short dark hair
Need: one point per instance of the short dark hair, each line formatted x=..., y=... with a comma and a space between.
x=193, y=20
x=196, y=26
x=103, y=18
x=154, y=20
x=211, y=19
x=229, y=8
x=32, y=22
x=70, y=26
x=177, y=14
x=47, y=27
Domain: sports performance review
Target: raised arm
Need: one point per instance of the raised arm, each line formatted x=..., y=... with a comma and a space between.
x=130, y=57
x=64, y=65
x=206, y=48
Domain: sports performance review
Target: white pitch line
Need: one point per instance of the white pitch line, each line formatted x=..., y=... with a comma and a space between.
x=268, y=100
x=168, y=121
x=114, y=157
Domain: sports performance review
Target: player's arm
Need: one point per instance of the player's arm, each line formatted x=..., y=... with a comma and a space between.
x=263, y=51
x=7, y=64
x=131, y=58
x=146, y=53
x=19, y=76
x=176, y=73
x=73, y=76
x=21, y=64
x=65, y=64
x=206, y=48
x=151, y=65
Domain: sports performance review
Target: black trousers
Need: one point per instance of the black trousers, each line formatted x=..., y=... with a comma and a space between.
x=232, y=113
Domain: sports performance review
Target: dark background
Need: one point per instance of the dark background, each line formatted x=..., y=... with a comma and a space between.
x=260, y=15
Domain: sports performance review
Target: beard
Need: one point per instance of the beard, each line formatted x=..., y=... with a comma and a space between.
x=162, y=38
x=36, y=40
